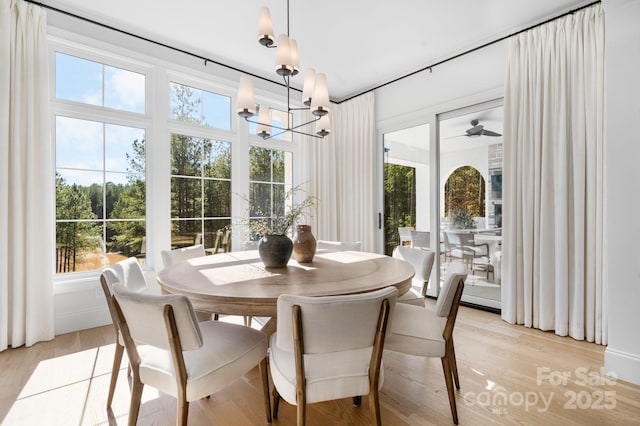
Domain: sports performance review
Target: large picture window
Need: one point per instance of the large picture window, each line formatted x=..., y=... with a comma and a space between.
x=200, y=191
x=100, y=193
x=100, y=165
x=200, y=170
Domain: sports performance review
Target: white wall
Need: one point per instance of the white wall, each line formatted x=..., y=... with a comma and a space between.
x=622, y=49
x=470, y=79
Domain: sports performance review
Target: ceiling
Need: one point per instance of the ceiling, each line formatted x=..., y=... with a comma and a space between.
x=358, y=44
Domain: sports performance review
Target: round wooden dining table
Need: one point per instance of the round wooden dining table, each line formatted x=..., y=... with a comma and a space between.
x=237, y=283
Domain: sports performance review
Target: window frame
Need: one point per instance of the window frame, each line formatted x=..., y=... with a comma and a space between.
x=158, y=127
x=101, y=114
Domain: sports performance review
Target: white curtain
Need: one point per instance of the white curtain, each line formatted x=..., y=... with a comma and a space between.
x=554, y=178
x=340, y=172
x=26, y=178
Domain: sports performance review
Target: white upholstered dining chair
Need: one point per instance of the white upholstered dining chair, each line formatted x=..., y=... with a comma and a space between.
x=422, y=261
x=128, y=273
x=170, y=350
x=338, y=245
x=428, y=333
x=171, y=257
x=314, y=357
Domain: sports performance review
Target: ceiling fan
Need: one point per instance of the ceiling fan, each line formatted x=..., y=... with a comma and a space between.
x=478, y=129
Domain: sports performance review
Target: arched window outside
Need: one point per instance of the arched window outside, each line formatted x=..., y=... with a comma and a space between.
x=465, y=190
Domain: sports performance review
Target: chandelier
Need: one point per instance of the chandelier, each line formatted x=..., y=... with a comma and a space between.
x=315, y=95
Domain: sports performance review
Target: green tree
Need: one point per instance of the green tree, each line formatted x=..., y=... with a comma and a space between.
x=465, y=191
x=399, y=202
x=127, y=236
x=73, y=235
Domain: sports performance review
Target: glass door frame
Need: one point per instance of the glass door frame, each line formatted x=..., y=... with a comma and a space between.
x=453, y=113
x=431, y=116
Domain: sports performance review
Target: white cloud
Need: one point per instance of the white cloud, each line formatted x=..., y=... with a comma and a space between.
x=124, y=89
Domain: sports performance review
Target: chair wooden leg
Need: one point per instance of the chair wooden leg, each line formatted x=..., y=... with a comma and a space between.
x=374, y=406
x=276, y=402
x=115, y=370
x=265, y=388
x=301, y=412
x=216, y=317
x=183, y=411
x=247, y=320
x=136, y=395
x=357, y=400
x=454, y=364
x=446, y=366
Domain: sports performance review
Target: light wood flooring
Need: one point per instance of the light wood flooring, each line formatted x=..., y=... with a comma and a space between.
x=508, y=375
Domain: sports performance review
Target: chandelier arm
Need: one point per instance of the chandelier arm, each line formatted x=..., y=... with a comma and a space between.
x=265, y=124
x=284, y=129
x=295, y=131
x=304, y=124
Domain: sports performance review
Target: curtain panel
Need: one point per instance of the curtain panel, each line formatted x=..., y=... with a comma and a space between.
x=26, y=178
x=340, y=172
x=554, y=178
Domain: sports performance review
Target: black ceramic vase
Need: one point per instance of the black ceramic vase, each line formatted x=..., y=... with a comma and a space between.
x=275, y=250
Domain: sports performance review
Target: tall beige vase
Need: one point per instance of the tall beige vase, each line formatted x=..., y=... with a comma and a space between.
x=304, y=244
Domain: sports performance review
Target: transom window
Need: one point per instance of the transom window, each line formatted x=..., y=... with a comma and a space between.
x=199, y=106
x=93, y=83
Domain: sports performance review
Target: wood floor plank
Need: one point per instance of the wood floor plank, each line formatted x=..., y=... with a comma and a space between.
x=509, y=375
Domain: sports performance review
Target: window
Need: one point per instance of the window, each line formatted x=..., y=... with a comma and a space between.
x=200, y=169
x=269, y=180
x=100, y=165
x=93, y=83
x=278, y=119
x=199, y=106
x=200, y=190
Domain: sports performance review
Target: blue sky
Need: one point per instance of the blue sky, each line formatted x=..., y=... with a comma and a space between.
x=84, y=148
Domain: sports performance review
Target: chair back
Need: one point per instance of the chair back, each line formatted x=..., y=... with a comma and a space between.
x=338, y=245
x=128, y=273
x=171, y=257
x=405, y=232
x=144, y=315
x=421, y=260
x=451, y=288
x=420, y=238
x=333, y=323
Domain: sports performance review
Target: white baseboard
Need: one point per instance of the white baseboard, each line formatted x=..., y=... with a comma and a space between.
x=81, y=320
x=624, y=365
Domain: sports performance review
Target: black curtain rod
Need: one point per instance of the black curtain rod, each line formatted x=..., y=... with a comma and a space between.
x=206, y=60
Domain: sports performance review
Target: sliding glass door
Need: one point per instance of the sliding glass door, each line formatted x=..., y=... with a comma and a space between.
x=470, y=205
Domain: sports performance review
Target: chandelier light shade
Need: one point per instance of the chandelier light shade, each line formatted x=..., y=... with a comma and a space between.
x=308, y=86
x=264, y=130
x=284, y=63
x=323, y=126
x=246, y=106
x=315, y=93
x=295, y=59
x=320, y=98
x=265, y=28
